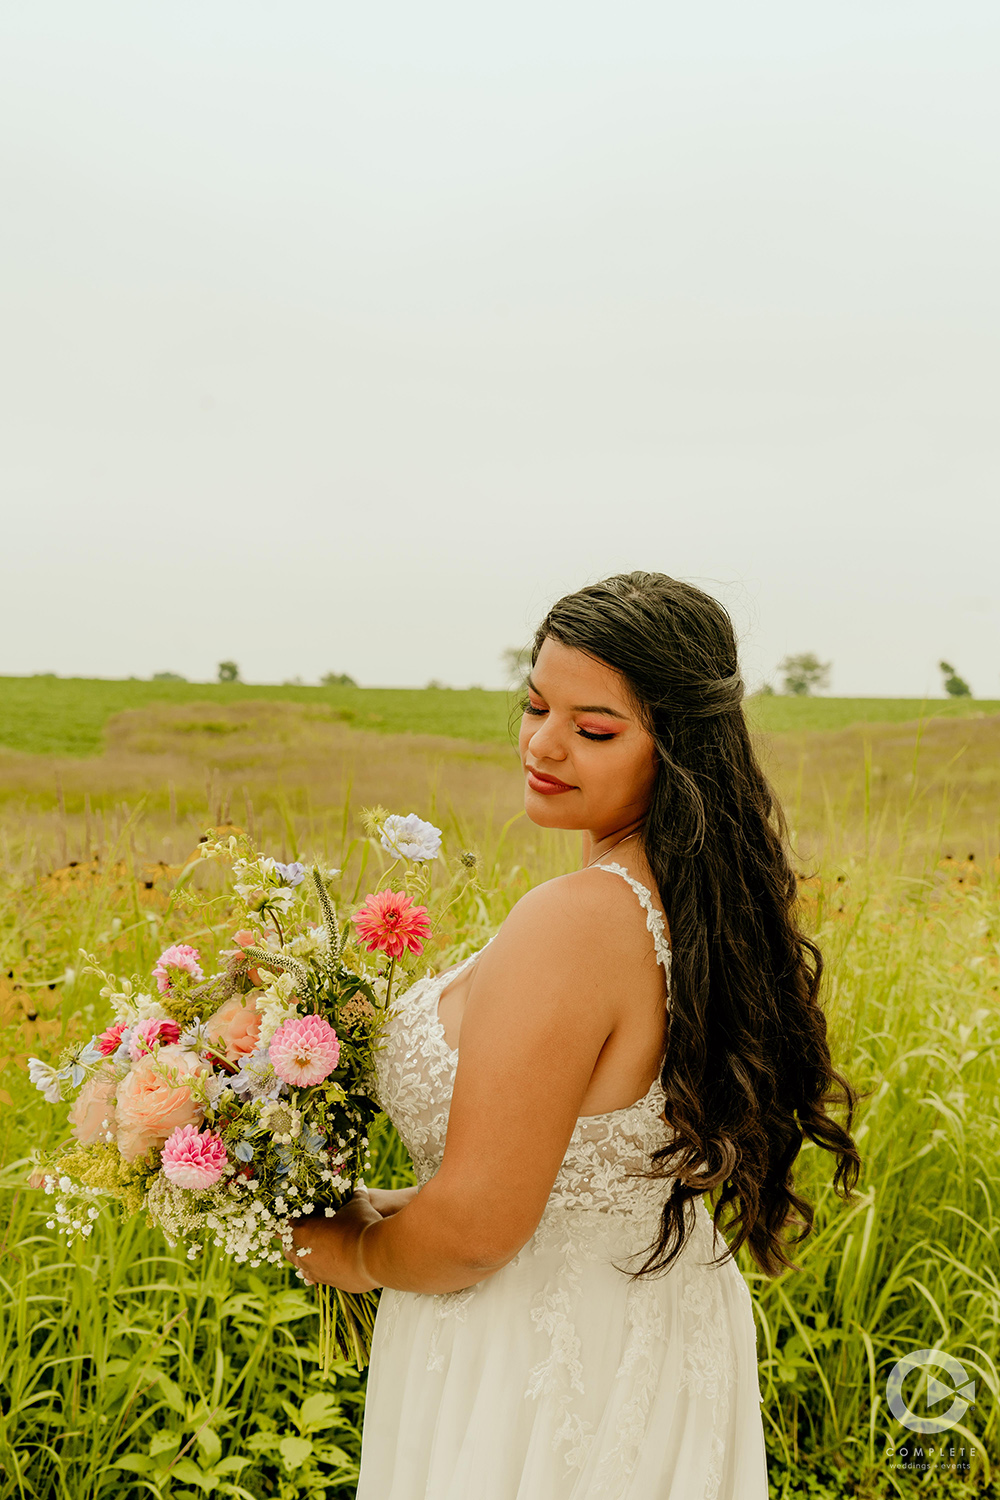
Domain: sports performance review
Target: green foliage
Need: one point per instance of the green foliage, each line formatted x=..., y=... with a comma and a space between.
x=228, y=671
x=804, y=673
x=911, y=1000
x=337, y=679
x=954, y=686
x=100, y=1166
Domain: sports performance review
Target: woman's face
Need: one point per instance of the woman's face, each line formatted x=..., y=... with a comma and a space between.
x=588, y=762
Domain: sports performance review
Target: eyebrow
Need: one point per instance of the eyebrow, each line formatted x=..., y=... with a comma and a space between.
x=584, y=708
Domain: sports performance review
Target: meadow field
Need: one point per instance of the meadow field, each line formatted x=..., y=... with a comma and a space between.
x=53, y=715
x=125, y=1371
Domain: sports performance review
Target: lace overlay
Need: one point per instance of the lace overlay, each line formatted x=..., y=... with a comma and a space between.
x=599, y=1210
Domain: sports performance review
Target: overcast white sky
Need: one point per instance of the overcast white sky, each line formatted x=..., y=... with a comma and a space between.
x=349, y=336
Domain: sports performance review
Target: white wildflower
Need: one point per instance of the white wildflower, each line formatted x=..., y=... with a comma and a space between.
x=284, y=1122
x=312, y=944
x=277, y=1003
x=215, y=1086
x=410, y=837
x=45, y=1079
x=148, y=1008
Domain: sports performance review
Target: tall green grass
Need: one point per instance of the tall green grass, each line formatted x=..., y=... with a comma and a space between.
x=127, y=1371
x=912, y=1001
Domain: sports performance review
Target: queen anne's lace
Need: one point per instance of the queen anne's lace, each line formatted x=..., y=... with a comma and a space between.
x=599, y=1207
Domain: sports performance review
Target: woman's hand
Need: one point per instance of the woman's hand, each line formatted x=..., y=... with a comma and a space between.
x=334, y=1244
x=388, y=1201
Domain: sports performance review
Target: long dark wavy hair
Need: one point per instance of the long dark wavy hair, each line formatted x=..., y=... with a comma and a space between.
x=747, y=1067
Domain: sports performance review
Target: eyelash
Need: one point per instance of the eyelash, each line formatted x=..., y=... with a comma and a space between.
x=530, y=709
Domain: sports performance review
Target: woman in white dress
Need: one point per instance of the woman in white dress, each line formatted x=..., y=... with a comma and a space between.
x=561, y=1319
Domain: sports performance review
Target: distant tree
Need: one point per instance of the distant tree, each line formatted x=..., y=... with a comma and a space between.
x=168, y=677
x=516, y=663
x=804, y=673
x=337, y=679
x=434, y=686
x=766, y=690
x=954, y=686
x=228, y=671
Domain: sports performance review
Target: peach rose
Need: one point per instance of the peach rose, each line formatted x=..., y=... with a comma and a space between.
x=94, y=1104
x=234, y=1029
x=151, y=1105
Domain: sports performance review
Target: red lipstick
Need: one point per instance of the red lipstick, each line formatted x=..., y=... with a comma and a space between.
x=549, y=786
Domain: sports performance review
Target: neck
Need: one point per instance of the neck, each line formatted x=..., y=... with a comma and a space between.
x=596, y=845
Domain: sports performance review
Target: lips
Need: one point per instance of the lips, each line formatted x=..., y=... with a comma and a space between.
x=539, y=782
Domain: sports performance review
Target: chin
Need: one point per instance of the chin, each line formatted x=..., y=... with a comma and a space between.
x=546, y=812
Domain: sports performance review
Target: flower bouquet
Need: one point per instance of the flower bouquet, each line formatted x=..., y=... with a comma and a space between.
x=227, y=1106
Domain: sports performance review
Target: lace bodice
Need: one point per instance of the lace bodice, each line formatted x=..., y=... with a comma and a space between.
x=415, y=1075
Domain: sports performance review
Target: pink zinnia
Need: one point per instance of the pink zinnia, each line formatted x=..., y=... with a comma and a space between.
x=181, y=959
x=150, y=1034
x=304, y=1051
x=390, y=921
x=109, y=1041
x=193, y=1158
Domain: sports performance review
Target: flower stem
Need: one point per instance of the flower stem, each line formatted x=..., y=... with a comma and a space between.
x=385, y=875
x=388, y=986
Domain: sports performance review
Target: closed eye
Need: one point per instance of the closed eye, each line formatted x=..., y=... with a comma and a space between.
x=529, y=708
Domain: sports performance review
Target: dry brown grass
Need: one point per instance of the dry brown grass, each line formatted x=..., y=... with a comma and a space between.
x=886, y=788
x=288, y=771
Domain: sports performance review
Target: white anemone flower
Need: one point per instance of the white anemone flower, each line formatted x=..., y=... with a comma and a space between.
x=410, y=837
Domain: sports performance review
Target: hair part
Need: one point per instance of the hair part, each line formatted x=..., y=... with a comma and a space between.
x=747, y=1068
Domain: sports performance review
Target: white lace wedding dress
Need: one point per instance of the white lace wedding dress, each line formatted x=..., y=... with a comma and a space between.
x=558, y=1378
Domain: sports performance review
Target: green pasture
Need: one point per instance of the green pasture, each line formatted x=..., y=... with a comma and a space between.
x=67, y=715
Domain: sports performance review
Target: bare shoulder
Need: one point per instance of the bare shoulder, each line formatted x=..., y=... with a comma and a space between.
x=583, y=916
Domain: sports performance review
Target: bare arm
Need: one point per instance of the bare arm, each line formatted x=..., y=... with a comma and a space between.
x=539, y=1011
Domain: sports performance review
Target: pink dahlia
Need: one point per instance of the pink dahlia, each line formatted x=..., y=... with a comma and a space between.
x=180, y=959
x=149, y=1034
x=390, y=921
x=193, y=1158
x=109, y=1041
x=304, y=1051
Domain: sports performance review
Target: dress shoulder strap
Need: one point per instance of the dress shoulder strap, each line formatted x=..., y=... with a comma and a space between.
x=654, y=920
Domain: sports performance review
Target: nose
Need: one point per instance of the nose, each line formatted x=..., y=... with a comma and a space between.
x=546, y=742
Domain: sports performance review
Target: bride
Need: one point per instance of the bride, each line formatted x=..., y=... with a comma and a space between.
x=561, y=1318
